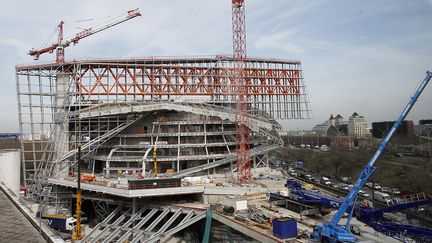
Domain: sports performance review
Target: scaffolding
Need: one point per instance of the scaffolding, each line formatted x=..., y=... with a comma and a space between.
x=99, y=103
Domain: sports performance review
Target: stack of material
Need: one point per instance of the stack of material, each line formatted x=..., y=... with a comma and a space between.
x=254, y=217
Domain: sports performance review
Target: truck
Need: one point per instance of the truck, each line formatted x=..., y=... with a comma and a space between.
x=60, y=222
x=382, y=197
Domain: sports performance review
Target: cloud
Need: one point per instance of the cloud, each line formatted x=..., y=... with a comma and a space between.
x=351, y=51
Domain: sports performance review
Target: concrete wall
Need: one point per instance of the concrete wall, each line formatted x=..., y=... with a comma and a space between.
x=10, y=164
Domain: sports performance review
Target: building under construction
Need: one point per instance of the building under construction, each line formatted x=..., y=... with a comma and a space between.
x=137, y=127
x=135, y=119
x=181, y=107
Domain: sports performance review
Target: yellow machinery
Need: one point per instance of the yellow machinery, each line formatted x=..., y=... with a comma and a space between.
x=76, y=233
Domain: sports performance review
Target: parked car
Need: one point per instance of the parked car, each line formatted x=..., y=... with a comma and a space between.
x=363, y=193
x=399, y=155
x=345, y=179
x=343, y=186
x=377, y=187
x=308, y=176
x=386, y=189
x=395, y=191
x=382, y=197
x=326, y=181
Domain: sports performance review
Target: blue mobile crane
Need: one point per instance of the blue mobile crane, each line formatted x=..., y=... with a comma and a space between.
x=373, y=217
x=331, y=231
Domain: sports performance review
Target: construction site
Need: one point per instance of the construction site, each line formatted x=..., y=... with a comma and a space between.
x=177, y=149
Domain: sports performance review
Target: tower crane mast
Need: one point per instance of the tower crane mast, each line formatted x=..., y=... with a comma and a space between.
x=240, y=90
x=61, y=43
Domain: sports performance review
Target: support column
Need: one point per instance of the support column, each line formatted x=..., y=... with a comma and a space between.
x=178, y=149
x=134, y=205
x=206, y=237
x=61, y=138
x=107, y=167
x=267, y=159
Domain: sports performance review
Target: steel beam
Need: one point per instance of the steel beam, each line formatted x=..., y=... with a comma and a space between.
x=125, y=236
x=105, y=221
x=125, y=225
x=137, y=237
x=146, y=218
x=169, y=222
x=157, y=220
x=176, y=229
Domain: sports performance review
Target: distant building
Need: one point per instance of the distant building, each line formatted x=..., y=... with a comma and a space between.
x=332, y=127
x=342, y=142
x=331, y=120
x=325, y=129
x=341, y=125
x=357, y=126
x=380, y=129
x=9, y=136
x=424, y=128
x=425, y=122
x=339, y=120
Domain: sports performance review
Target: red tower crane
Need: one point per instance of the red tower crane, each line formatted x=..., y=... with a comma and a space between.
x=244, y=174
x=61, y=44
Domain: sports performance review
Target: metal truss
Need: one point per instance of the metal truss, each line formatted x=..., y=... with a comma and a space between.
x=148, y=224
x=229, y=159
x=276, y=87
x=63, y=105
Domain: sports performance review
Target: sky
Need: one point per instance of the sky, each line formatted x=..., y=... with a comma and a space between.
x=357, y=56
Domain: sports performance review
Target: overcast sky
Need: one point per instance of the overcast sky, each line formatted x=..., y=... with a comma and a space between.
x=357, y=56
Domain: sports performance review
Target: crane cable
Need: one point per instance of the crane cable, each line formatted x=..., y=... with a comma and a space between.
x=98, y=18
x=45, y=43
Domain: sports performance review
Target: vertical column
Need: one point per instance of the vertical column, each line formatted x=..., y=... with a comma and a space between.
x=178, y=149
x=134, y=205
x=60, y=139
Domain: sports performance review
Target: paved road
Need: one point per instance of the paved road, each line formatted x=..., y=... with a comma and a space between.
x=14, y=227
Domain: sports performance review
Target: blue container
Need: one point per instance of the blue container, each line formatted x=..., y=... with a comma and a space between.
x=284, y=228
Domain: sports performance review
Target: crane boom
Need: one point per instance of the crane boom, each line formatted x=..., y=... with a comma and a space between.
x=90, y=31
x=331, y=231
x=61, y=44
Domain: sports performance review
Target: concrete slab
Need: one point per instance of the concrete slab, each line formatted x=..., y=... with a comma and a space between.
x=131, y=193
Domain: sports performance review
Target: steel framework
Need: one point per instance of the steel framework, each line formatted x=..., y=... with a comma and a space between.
x=244, y=174
x=54, y=99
